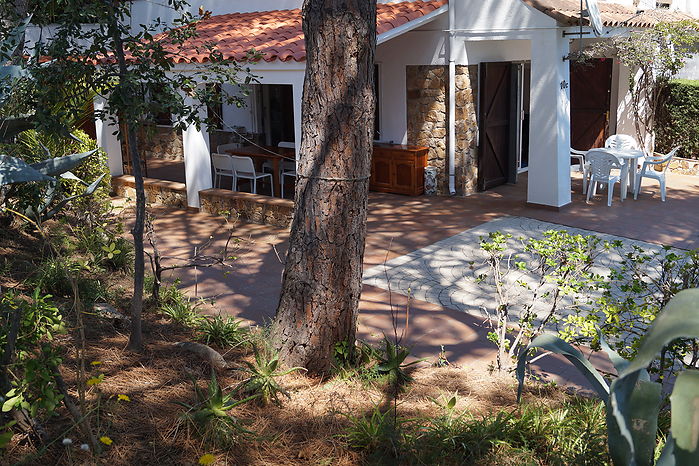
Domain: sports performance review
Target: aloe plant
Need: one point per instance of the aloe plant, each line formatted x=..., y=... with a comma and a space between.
x=633, y=400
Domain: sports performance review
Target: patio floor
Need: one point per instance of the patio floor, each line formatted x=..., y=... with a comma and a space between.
x=398, y=225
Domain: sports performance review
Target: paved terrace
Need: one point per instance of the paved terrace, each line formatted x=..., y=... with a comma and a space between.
x=399, y=225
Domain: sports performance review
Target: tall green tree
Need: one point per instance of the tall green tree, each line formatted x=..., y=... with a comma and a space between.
x=96, y=46
x=322, y=277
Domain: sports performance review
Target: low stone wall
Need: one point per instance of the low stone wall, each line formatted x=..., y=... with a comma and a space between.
x=249, y=207
x=684, y=166
x=169, y=193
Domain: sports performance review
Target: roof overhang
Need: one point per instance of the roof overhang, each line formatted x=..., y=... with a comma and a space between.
x=409, y=26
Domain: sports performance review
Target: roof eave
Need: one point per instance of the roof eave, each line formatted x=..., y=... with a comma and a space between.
x=410, y=25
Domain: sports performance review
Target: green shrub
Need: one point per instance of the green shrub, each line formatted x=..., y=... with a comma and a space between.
x=183, y=312
x=209, y=415
x=262, y=378
x=35, y=358
x=678, y=119
x=378, y=434
x=222, y=332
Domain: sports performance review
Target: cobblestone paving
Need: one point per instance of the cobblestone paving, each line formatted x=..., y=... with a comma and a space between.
x=446, y=272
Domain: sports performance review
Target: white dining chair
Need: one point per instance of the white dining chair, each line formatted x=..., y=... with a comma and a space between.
x=601, y=165
x=222, y=148
x=286, y=165
x=244, y=168
x=648, y=171
x=223, y=166
x=582, y=166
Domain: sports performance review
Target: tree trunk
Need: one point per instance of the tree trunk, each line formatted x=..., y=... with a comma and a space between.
x=322, y=277
x=136, y=337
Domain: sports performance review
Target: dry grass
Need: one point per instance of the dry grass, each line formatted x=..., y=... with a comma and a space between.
x=305, y=430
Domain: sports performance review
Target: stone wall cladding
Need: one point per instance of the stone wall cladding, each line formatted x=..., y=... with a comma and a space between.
x=684, y=166
x=248, y=207
x=427, y=92
x=162, y=192
x=159, y=142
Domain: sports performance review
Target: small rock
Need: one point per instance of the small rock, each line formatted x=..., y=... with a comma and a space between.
x=108, y=312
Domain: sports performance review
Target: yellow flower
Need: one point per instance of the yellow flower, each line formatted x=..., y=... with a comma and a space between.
x=96, y=363
x=106, y=440
x=123, y=398
x=94, y=381
x=207, y=459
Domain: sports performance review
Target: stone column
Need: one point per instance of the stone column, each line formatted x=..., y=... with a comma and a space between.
x=549, y=147
x=106, y=132
x=197, y=158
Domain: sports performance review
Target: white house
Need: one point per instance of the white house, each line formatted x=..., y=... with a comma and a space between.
x=485, y=84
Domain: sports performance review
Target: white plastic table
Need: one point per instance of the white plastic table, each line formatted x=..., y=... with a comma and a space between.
x=629, y=157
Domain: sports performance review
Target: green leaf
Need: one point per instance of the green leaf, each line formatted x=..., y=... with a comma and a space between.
x=556, y=345
x=642, y=415
x=685, y=417
x=10, y=403
x=58, y=165
x=14, y=170
x=679, y=319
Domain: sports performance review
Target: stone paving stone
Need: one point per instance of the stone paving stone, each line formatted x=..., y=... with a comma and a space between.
x=446, y=272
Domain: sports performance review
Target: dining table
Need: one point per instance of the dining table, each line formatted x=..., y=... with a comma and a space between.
x=629, y=158
x=276, y=155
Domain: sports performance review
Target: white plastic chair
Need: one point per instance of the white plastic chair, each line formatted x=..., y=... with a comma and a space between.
x=621, y=141
x=647, y=172
x=223, y=166
x=601, y=165
x=245, y=169
x=582, y=165
x=222, y=148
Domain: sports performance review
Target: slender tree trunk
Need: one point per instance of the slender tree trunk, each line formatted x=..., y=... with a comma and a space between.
x=136, y=336
x=322, y=278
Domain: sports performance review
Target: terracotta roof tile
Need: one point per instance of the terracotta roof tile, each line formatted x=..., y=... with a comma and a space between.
x=277, y=34
x=613, y=15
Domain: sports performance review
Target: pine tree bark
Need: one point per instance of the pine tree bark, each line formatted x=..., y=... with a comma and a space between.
x=322, y=276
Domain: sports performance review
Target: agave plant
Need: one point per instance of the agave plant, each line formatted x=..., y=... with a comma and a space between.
x=16, y=171
x=633, y=400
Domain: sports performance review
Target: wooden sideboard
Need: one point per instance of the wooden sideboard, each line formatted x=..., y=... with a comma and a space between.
x=398, y=169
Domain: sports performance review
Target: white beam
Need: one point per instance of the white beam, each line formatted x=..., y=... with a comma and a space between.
x=549, y=146
x=197, y=158
x=106, y=136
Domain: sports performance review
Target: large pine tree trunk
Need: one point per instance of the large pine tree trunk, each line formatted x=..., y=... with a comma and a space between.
x=322, y=278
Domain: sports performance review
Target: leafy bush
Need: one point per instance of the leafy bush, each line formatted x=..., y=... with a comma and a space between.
x=633, y=401
x=35, y=359
x=102, y=242
x=637, y=289
x=678, y=119
x=222, y=332
x=210, y=418
x=552, y=277
x=262, y=379
x=31, y=147
x=182, y=311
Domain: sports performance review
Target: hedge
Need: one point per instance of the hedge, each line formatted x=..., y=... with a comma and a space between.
x=678, y=122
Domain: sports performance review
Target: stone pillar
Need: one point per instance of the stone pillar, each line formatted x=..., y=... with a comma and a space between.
x=427, y=126
x=197, y=158
x=106, y=134
x=549, y=146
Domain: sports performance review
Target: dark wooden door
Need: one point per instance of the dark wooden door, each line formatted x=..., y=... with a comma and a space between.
x=590, y=95
x=495, y=125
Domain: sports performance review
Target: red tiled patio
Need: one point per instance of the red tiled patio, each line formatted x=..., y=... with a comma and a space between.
x=398, y=225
